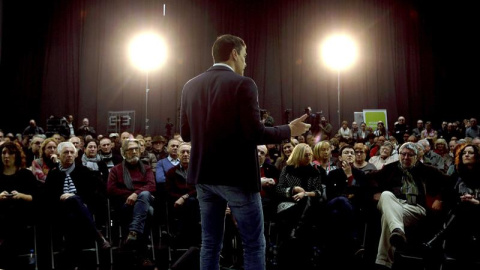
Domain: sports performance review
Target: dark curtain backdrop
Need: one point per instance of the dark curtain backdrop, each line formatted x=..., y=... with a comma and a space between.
x=70, y=57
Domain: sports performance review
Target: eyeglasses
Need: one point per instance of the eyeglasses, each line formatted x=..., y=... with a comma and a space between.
x=403, y=154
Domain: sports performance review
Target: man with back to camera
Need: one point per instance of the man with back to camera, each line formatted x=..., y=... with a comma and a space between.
x=219, y=107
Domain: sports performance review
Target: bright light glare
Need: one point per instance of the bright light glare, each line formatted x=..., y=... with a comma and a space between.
x=148, y=51
x=339, y=52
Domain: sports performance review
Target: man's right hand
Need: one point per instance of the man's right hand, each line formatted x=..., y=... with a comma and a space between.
x=131, y=199
x=298, y=127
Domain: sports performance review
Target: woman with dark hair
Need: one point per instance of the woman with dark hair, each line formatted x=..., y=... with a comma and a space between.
x=92, y=160
x=286, y=149
x=462, y=229
x=381, y=130
x=47, y=161
x=17, y=190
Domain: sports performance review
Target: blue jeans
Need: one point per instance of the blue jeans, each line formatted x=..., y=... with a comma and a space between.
x=140, y=211
x=246, y=208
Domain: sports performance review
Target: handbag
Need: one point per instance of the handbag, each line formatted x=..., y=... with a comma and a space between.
x=284, y=206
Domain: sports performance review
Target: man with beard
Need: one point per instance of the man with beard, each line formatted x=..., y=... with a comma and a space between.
x=130, y=188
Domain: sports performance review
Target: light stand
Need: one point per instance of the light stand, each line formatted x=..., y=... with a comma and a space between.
x=338, y=92
x=146, y=105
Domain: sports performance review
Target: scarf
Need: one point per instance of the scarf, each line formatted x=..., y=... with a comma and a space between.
x=68, y=185
x=108, y=159
x=409, y=187
x=91, y=163
x=127, y=178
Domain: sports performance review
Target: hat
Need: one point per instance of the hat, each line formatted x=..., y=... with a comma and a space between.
x=113, y=135
x=159, y=139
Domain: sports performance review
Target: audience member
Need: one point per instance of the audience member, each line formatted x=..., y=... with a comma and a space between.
x=381, y=130
x=345, y=199
x=269, y=178
x=169, y=162
x=442, y=130
x=18, y=189
x=158, y=147
x=419, y=129
x=344, y=131
x=363, y=132
x=442, y=149
x=325, y=129
x=355, y=129
x=47, y=161
x=429, y=132
x=360, y=158
x=33, y=150
x=401, y=188
x=32, y=129
x=472, y=131
x=146, y=157
x=400, y=128
x=85, y=129
x=71, y=191
x=107, y=155
x=322, y=156
x=301, y=190
x=386, y=156
x=93, y=161
x=286, y=148
x=430, y=157
x=374, y=150
x=182, y=200
x=130, y=188
x=148, y=143
x=70, y=126
x=462, y=226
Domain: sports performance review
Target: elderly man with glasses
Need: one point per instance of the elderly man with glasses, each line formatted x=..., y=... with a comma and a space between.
x=130, y=188
x=401, y=189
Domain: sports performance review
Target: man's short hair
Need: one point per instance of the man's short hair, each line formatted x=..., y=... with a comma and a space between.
x=62, y=145
x=224, y=45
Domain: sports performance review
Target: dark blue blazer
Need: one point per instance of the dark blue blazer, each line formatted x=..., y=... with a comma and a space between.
x=220, y=112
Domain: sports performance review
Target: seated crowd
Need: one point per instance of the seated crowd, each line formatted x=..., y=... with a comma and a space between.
x=321, y=191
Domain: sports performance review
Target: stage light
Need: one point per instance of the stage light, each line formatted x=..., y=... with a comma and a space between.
x=147, y=52
x=339, y=52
